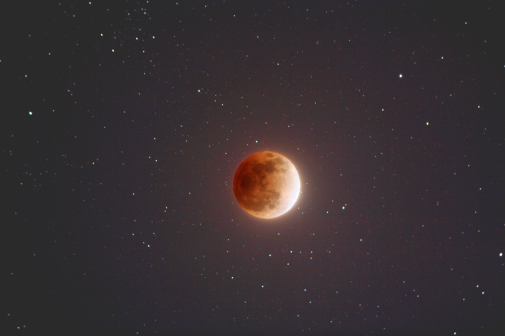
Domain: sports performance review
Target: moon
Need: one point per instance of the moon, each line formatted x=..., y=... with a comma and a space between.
x=266, y=185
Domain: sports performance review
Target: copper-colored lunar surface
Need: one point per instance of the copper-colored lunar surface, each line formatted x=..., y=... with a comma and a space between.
x=266, y=184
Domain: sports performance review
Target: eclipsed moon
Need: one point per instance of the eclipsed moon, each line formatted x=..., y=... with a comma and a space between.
x=266, y=184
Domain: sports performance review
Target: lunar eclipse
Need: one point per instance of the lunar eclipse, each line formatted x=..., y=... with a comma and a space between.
x=266, y=185
x=152, y=155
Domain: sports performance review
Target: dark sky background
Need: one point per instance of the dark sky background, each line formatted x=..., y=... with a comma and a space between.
x=123, y=123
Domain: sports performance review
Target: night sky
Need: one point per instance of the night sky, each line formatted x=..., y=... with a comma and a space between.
x=123, y=123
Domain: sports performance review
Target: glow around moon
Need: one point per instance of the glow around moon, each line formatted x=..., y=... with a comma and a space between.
x=266, y=184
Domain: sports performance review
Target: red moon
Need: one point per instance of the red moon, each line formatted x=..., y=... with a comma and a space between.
x=266, y=184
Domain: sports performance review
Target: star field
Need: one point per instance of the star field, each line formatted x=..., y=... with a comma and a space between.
x=124, y=123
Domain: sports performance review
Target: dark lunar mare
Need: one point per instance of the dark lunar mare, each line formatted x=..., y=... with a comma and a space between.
x=251, y=184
